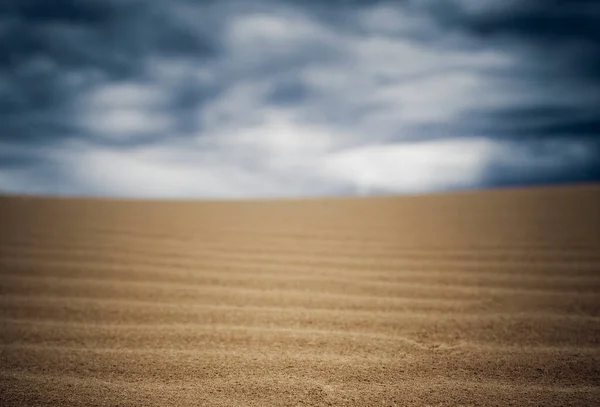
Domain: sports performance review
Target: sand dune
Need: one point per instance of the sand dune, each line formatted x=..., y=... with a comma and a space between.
x=474, y=298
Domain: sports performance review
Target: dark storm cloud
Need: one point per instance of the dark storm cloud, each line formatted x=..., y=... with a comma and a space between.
x=52, y=51
x=542, y=21
x=184, y=87
x=94, y=32
x=560, y=44
x=572, y=26
x=289, y=91
x=563, y=160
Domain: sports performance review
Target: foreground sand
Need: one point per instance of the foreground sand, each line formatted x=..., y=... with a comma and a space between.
x=479, y=298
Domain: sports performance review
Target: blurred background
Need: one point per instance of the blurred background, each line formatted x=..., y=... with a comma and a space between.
x=238, y=99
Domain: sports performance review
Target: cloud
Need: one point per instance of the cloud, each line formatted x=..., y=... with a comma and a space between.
x=412, y=167
x=119, y=173
x=194, y=169
x=125, y=110
x=235, y=99
x=485, y=8
x=417, y=167
x=189, y=169
x=549, y=159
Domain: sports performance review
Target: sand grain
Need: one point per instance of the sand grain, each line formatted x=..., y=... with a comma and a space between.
x=478, y=298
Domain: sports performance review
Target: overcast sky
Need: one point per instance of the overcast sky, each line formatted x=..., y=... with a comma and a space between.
x=236, y=99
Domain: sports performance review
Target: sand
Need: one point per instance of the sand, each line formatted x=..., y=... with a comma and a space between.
x=475, y=298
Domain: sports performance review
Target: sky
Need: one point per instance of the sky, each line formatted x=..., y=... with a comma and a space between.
x=290, y=98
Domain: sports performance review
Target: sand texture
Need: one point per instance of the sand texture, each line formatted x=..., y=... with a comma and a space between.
x=485, y=298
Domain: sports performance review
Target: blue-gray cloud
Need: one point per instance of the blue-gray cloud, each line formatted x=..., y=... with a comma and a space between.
x=234, y=98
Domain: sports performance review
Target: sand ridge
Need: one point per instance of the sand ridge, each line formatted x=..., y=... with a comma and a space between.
x=473, y=298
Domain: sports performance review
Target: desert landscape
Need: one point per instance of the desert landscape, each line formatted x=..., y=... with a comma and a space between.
x=474, y=298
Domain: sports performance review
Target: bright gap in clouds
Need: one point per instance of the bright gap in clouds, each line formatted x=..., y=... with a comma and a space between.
x=231, y=99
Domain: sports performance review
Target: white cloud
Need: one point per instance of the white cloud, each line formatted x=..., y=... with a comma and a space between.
x=158, y=171
x=274, y=32
x=125, y=94
x=412, y=167
x=434, y=99
x=125, y=110
x=192, y=170
x=128, y=121
x=278, y=134
x=183, y=171
x=240, y=119
x=417, y=167
x=121, y=173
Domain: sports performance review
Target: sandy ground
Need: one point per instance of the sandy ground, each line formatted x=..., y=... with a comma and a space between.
x=478, y=298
